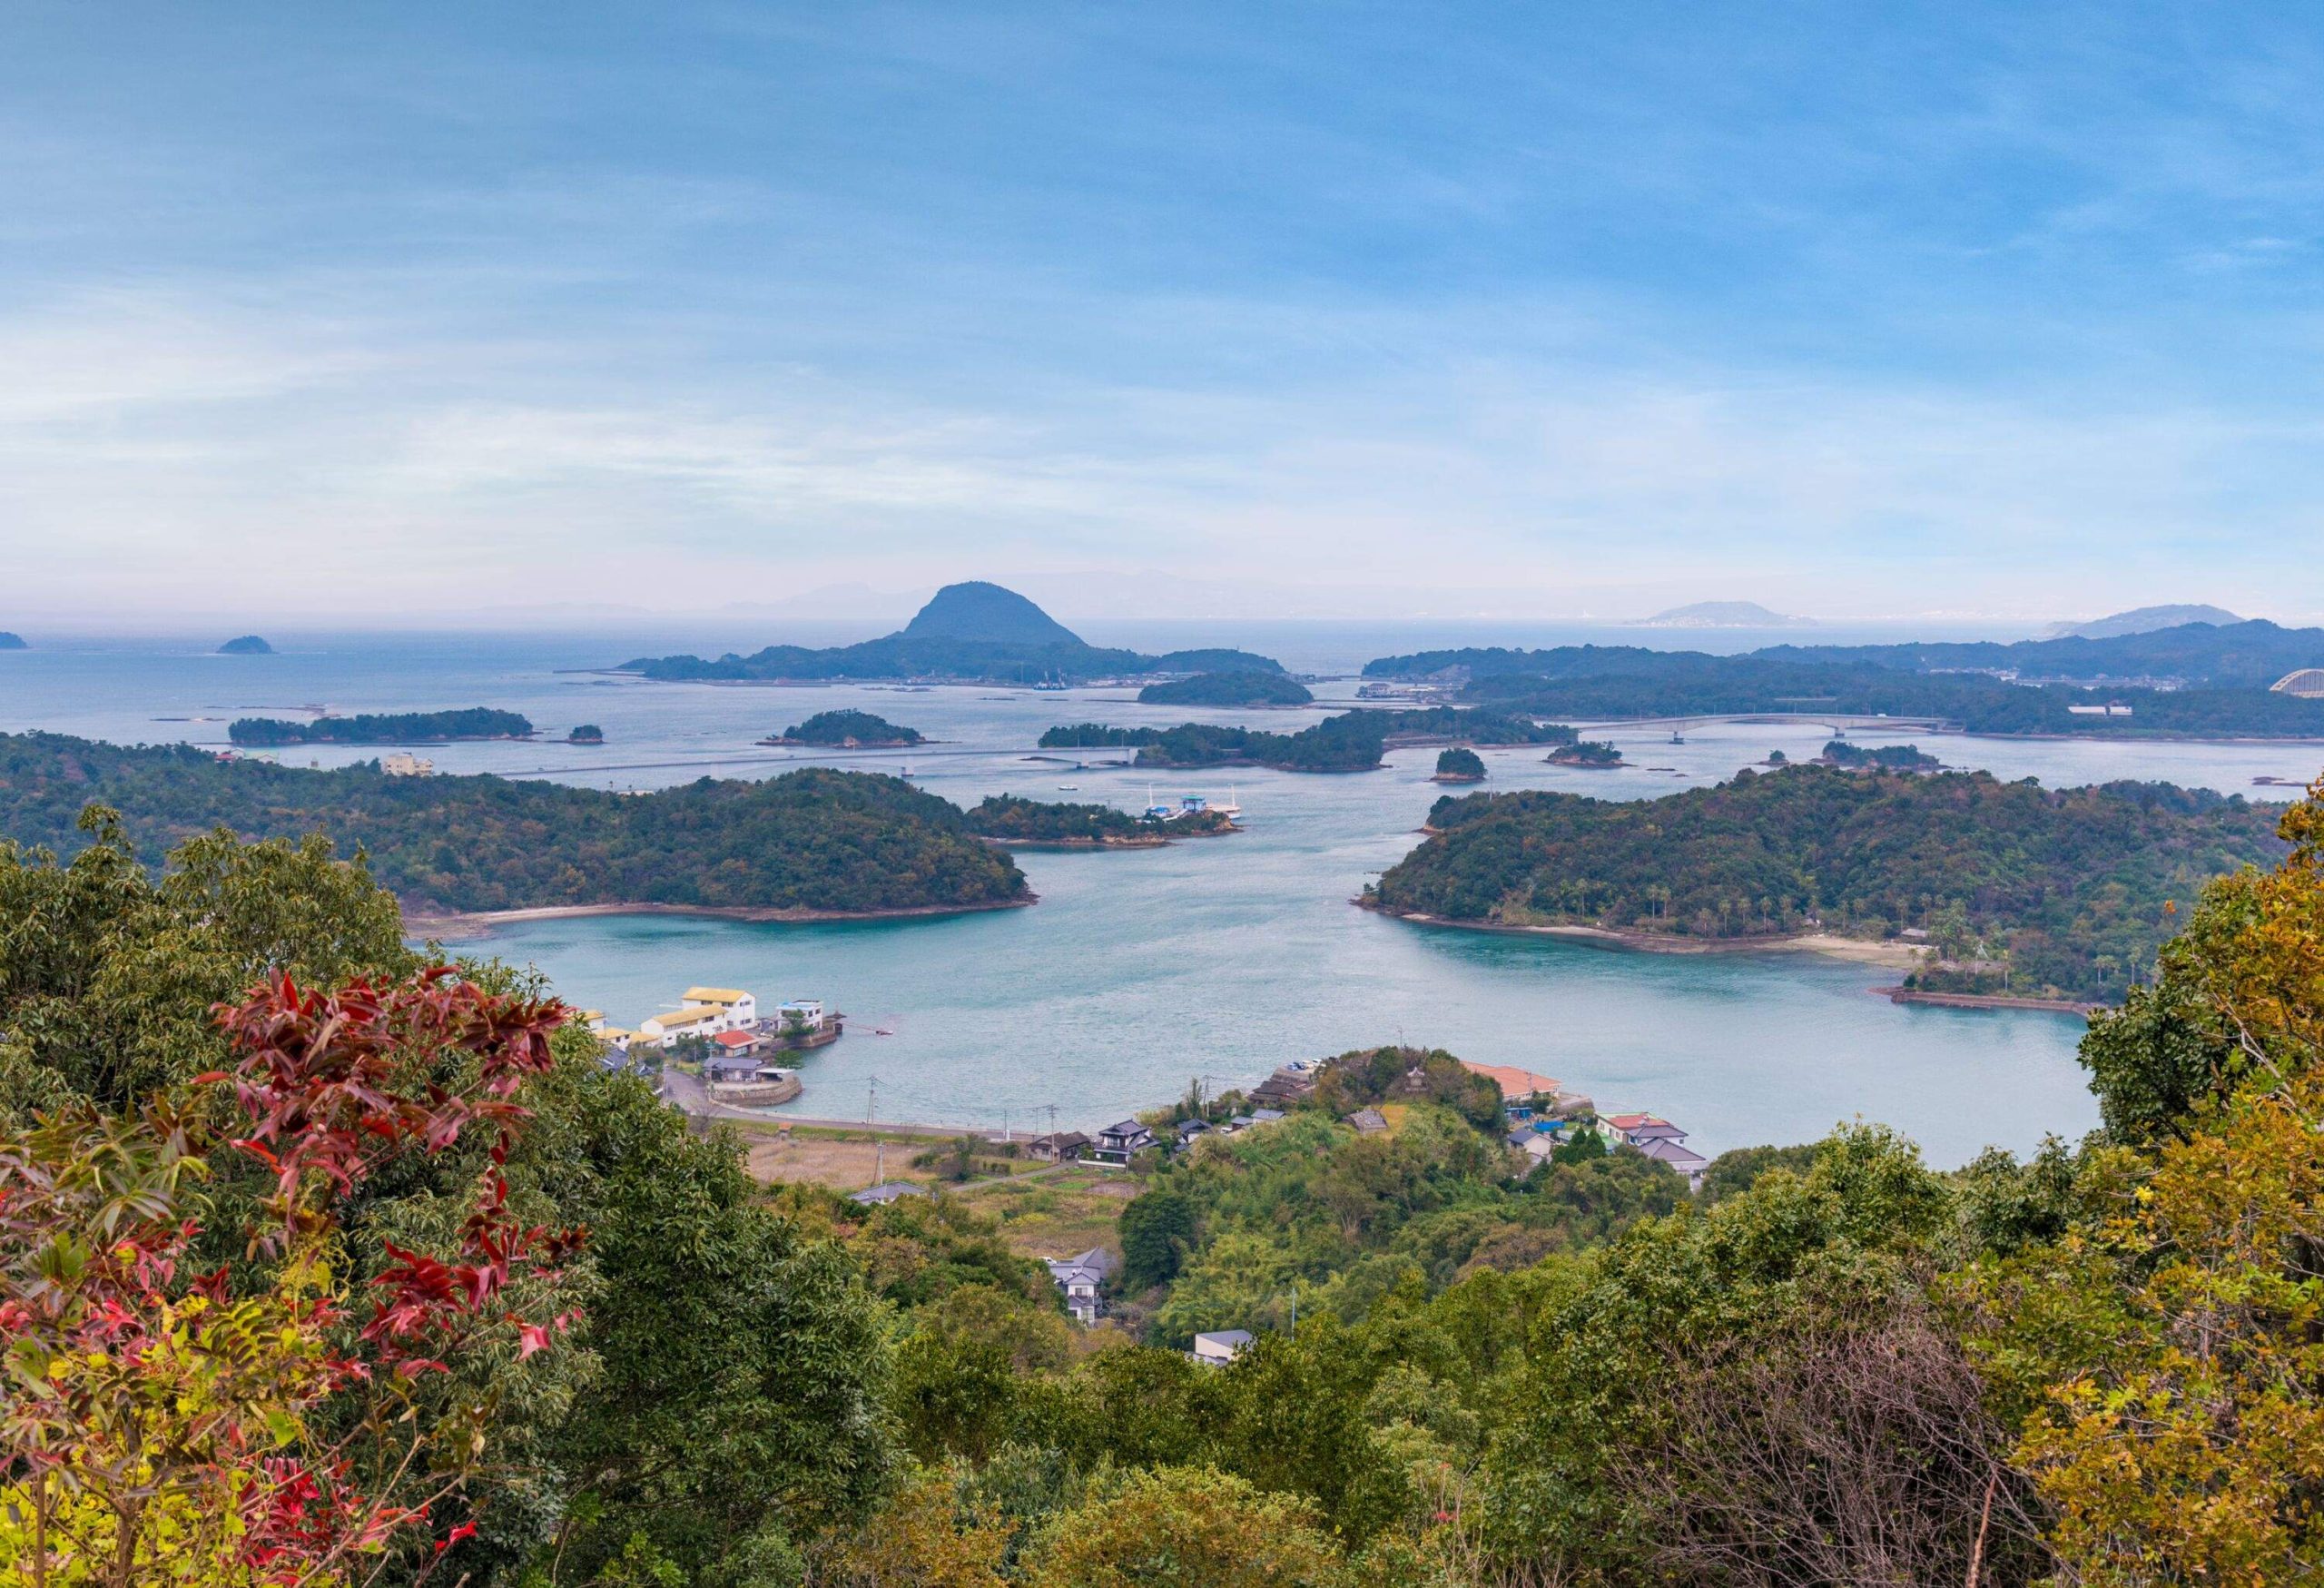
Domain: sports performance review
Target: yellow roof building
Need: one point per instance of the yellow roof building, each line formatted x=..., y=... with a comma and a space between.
x=715, y=997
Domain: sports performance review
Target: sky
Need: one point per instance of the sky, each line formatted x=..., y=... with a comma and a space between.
x=424, y=311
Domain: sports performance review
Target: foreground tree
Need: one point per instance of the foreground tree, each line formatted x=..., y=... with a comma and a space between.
x=168, y=1425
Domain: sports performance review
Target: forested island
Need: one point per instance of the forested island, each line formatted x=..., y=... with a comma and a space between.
x=2198, y=680
x=405, y=727
x=2019, y=889
x=246, y=645
x=1245, y=686
x=973, y=631
x=12, y=642
x=1893, y=758
x=586, y=733
x=848, y=730
x=814, y=841
x=1353, y=741
x=1010, y=819
x=1595, y=754
x=1459, y=765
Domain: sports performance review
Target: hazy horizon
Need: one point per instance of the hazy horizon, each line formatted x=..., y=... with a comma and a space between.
x=1939, y=314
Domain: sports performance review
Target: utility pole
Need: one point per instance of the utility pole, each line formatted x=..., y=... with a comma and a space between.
x=871, y=1099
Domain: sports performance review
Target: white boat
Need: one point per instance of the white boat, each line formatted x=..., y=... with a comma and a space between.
x=1069, y=788
x=1233, y=807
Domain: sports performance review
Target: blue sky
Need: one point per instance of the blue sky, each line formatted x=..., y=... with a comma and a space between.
x=1526, y=310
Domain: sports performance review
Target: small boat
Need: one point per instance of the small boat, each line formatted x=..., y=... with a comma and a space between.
x=1233, y=807
x=1678, y=738
x=1069, y=788
x=882, y=1031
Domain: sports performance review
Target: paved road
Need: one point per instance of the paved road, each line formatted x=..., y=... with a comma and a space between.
x=687, y=1092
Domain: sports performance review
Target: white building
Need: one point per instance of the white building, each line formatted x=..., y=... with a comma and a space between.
x=739, y=1007
x=1218, y=1349
x=805, y=1014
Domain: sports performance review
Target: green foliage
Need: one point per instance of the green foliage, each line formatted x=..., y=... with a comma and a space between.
x=586, y=733
x=1015, y=819
x=814, y=839
x=1351, y=742
x=1586, y=752
x=2070, y=890
x=403, y=727
x=840, y=727
x=1740, y=1168
x=1156, y=1229
x=1239, y=688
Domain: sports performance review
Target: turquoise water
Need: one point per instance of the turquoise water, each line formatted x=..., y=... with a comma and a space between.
x=1217, y=959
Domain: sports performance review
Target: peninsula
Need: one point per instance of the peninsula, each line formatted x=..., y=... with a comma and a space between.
x=2017, y=891
x=248, y=644
x=849, y=730
x=813, y=843
x=406, y=727
x=972, y=632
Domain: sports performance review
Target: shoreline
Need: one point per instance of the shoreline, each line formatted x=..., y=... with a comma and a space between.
x=1654, y=942
x=1988, y=1000
x=451, y=925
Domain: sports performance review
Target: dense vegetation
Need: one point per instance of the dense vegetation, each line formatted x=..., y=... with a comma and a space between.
x=814, y=839
x=2229, y=670
x=1834, y=1366
x=840, y=727
x=1015, y=820
x=1244, y=687
x=1351, y=742
x=973, y=630
x=1894, y=757
x=402, y=727
x=1460, y=764
x=586, y=733
x=1586, y=752
x=2064, y=893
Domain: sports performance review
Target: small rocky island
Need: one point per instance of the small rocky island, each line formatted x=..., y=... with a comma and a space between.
x=12, y=642
x=1460, y=764
x=246, y=645
x=586, y=733
x=849, y=730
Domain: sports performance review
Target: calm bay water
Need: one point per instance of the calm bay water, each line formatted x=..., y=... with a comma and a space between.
x=1216, y=959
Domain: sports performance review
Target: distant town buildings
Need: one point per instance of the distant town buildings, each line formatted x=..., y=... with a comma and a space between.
x=404, y=764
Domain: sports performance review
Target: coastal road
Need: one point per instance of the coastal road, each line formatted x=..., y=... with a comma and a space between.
x=688, y=1094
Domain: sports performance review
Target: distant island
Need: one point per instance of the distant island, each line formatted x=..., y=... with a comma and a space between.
x=848, y=730
x=2144, y=620
x=1459, y=765
x=1008, y=819
x=1243, y=687
x=2194, y=681
x=586, y=733
x=2017, y=889
x=1724, y=614
x=12, y=642
x=810, y=843
x=248, y=644
x=1351, y=742
x=1890, y=757
x=405, y=727
x=968, y=632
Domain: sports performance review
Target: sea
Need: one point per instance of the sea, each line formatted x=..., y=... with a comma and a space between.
x=1208, y=962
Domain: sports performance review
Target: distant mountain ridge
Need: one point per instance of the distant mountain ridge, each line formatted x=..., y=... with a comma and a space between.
x=1725, y=615
x=2143, y=620
x=969, y=631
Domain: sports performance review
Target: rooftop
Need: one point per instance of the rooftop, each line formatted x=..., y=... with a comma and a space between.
x=714, y=995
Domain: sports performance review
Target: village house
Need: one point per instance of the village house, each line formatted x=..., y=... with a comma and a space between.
x=1058, y=1147
x=887, y=1191
x=1368, y=1121
x=1219, y=1348
x=1081, y=1278
x=1120, y=1143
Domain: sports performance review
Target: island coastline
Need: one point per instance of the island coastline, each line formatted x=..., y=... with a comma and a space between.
x=459, y=925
